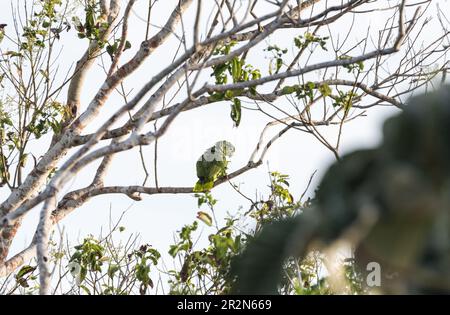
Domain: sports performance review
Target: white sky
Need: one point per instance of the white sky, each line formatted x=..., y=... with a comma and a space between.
x=156, y=218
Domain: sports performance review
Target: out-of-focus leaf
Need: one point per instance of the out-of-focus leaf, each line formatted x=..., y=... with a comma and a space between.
x=258, y=269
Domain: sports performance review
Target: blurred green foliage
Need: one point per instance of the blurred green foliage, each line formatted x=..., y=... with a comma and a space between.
x=391, y=203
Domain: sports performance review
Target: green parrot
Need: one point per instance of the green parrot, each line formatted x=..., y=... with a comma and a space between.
x=2, y=31
x=213, y=164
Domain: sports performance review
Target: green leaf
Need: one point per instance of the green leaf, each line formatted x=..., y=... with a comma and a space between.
x=289, y=89
x=44, y=73
x=111, y=50
x=236, y=69
x=360, y=65
x=258, y=270
x=23, y=160
x=85, y=289
x=216, y=97
x=173, y=250
x=310, y=85
x=83, y=273
x=13, y=54
x=256, y=74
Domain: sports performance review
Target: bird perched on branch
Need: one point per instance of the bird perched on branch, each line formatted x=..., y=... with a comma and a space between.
x=213, y=164
x=391, y=203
